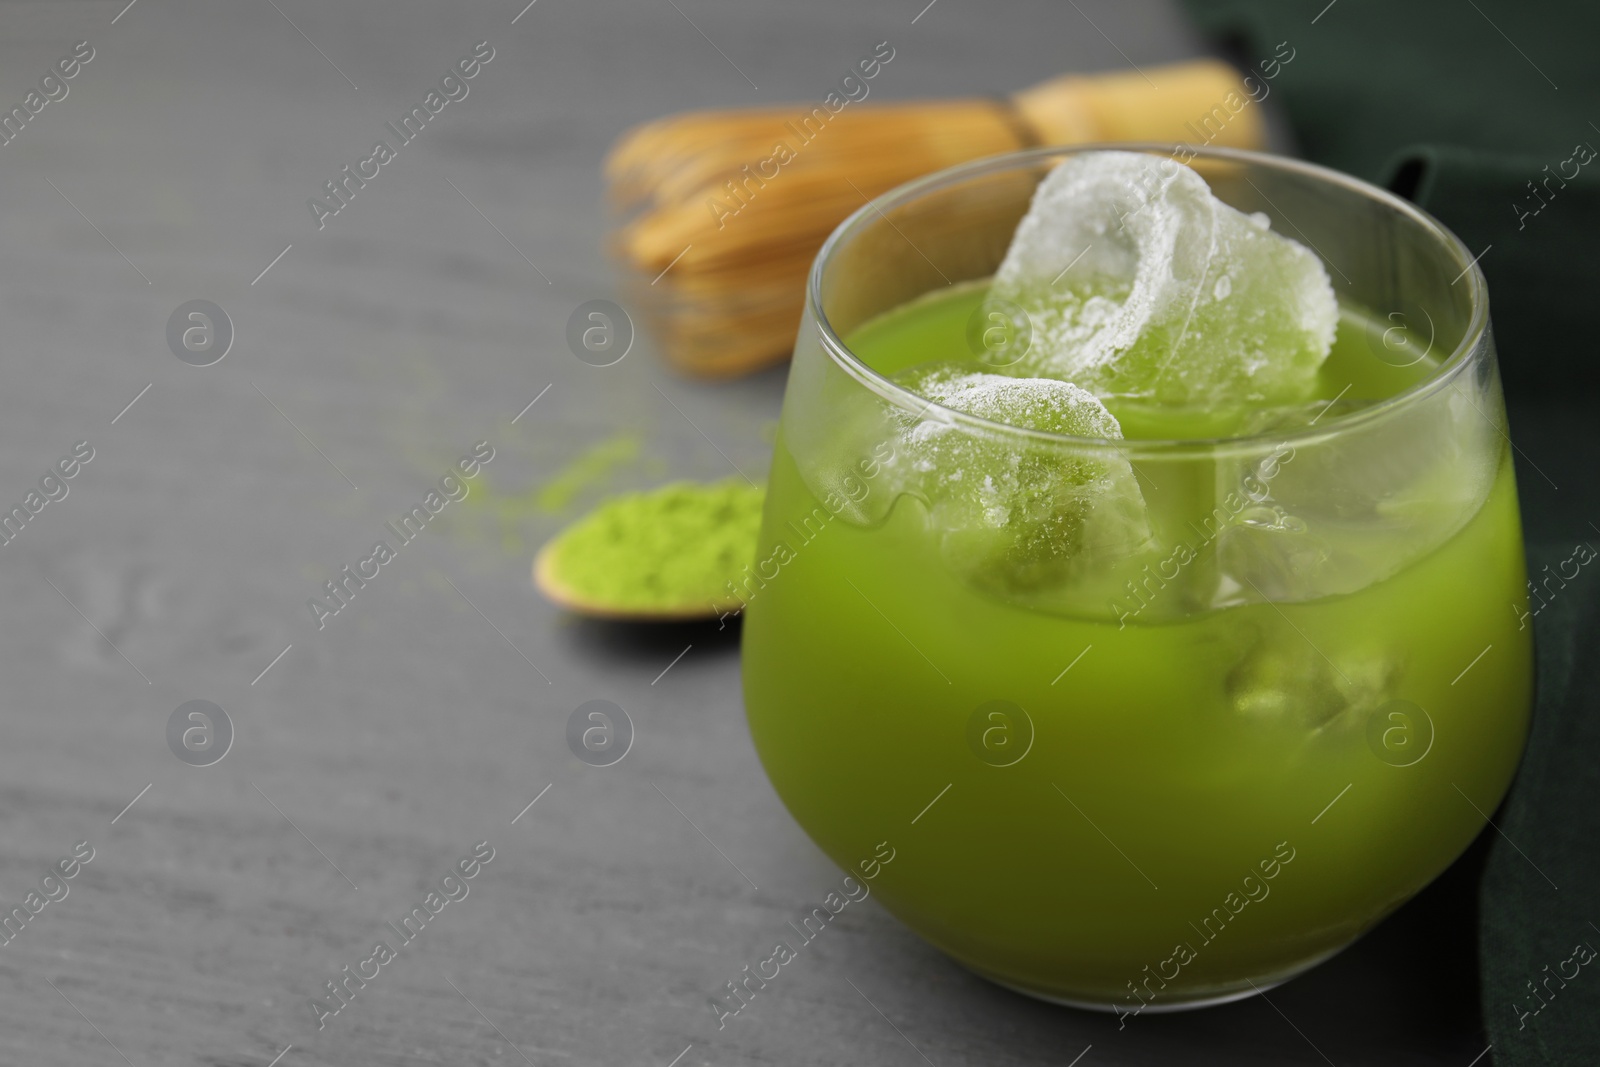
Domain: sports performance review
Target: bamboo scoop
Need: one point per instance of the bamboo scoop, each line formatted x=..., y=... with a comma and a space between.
x=722, y=225
x=548, y=580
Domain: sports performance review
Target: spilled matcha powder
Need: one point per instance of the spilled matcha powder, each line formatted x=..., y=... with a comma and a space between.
x=590, y=469
x=516, y=511
x=668, y=551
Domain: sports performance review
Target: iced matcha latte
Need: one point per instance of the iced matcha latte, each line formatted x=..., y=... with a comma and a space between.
x=1142, y=560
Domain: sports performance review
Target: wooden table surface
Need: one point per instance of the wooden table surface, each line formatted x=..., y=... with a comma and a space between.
x=371, y=755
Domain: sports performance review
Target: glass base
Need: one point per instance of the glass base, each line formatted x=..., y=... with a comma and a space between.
x=1167, y=1004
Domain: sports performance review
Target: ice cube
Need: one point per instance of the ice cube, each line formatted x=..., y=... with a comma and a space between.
x=1328, y=516
x=1030, y=403
x=1283, y=678
x=1140, y=283
x=1016, y=514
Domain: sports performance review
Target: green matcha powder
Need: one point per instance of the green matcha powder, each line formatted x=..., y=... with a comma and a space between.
x=669, y=548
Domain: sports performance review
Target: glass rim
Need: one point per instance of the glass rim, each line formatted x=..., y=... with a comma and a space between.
x=1442, y=376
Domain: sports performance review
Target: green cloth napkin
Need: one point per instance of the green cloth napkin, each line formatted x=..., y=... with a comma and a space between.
x=1487, y=114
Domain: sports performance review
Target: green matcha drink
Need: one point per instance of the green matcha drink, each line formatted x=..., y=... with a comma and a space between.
x=1162, y=693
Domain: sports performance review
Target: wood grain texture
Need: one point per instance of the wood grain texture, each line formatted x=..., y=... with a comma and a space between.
x=429, y=712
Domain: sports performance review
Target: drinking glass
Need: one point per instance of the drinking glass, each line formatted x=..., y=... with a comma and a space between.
x=1199, y=730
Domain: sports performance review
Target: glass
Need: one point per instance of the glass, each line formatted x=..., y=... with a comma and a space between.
x=1215, y=741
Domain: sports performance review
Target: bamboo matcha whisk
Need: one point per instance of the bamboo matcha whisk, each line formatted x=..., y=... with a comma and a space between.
x=726, y=209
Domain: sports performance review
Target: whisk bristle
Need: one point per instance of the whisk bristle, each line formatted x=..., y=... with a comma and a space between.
x=726, y=209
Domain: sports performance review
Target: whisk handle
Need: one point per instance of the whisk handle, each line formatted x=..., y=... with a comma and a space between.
x=1204, y=102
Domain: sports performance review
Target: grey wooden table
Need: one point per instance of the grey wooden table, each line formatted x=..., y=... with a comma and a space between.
x=371, y=755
